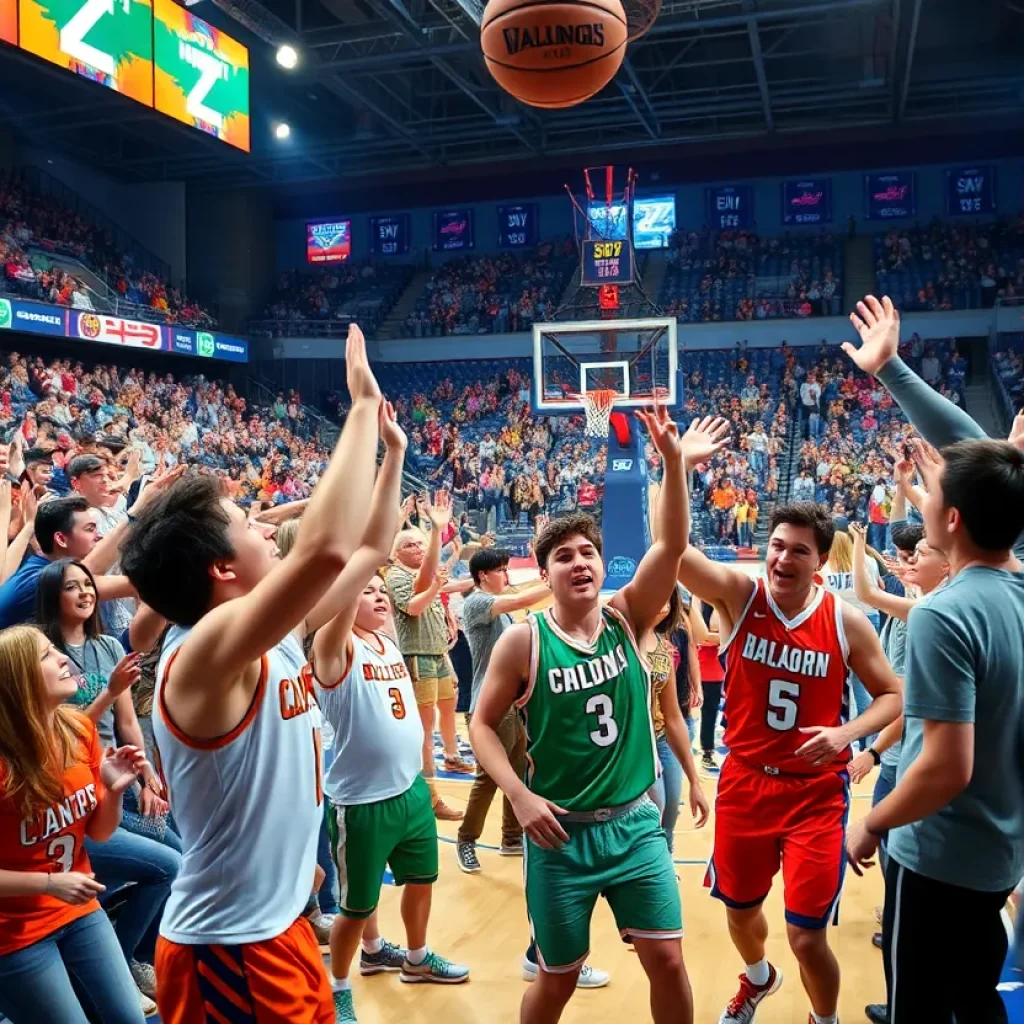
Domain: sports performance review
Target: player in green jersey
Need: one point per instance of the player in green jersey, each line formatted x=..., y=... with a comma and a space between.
x=578, y=678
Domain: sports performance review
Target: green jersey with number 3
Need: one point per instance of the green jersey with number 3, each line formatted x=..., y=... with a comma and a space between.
x=587, y=709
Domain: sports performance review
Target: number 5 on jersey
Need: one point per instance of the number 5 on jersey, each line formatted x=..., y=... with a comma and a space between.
x=783, y=695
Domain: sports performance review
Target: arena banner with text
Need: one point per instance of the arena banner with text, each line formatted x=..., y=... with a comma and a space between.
x=389, y=236
x=104, y=329
x=9, y=22
x=202, y=74
x=890, y=196
x=730, y=207
x=453, y=230
x=518, y=226
x=106, y=41
x=807, y=201
x=970, y=191
x=328, y=241
x=606, y=262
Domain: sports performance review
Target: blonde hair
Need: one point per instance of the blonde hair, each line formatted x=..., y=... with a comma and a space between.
x=403, y=536
x=287, y=534
x=34, y=754
x=840, y=555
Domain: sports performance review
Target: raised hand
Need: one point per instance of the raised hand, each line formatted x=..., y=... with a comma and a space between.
x=160, y=481
x=439, y=512
x=121, y=767
x=878, y=324
x=703, y=439
x=5, y=497
x=391, y=433
x=859, y=533
x=904, y=473
x=929, y=462
x=1016, y=437
x=125, y=674
x=362, y=385
x=664, y=433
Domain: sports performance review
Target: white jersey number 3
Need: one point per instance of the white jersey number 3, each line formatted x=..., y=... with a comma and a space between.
x=607, y=732
x=782, y=709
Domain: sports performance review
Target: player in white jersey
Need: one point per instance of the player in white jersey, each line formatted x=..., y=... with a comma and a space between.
x=237, y=727
x=382, y=807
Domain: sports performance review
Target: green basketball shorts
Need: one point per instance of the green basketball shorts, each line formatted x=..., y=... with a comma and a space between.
x=367, y=838
x=626, y=860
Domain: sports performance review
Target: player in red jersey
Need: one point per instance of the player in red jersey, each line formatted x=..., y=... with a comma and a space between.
x=783, y=794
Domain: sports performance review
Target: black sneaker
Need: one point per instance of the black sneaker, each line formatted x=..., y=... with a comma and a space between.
x=709, y=767
x=466, y=853
x=876, y=940
x=877, y=1013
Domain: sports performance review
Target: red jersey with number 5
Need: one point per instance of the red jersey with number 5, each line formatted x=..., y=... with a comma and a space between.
x=782, y=675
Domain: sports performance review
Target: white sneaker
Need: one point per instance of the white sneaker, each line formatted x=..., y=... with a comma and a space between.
x=590, y=977
x=321, y=926
x=748, y=997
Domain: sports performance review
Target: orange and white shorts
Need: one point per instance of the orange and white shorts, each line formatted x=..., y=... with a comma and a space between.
x=279, y=981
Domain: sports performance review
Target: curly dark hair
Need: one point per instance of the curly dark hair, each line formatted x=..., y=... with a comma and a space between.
x=576, y=524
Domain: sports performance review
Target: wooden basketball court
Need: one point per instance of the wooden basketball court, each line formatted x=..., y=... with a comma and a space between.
x=480, y=920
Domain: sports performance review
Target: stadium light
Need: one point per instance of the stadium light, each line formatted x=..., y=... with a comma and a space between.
x=287, y=56
x=282, y=130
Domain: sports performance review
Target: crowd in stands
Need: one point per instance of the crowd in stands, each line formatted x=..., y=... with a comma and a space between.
x=37, y=228
x=494, y=294
x=738, y=275
x=58, y=409
x=952, y=265
x=312, y=302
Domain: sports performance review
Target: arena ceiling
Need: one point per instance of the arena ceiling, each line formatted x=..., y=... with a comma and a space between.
x=393, y=87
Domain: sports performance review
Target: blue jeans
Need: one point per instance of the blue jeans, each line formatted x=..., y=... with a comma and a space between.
x=38, y=984
x=328, y=894
x=884, y=785
x=861, y=698
x=876, y=537
x=667, y=790
x=147, y=868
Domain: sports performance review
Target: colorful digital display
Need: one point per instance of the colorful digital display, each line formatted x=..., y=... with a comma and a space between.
x=328, y=241
x=518, y=226
x=808, y=201
x=890, y=196
x=654, y=220
x=453, y=230
x=9, y=22
x=730, y=207
x=106, y=41
x=389, y=236
x=202, y=75
x=970, y=190
x=606, y=262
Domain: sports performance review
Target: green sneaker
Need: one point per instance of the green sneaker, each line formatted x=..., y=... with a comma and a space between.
x=434, y=968
x=344, y=1012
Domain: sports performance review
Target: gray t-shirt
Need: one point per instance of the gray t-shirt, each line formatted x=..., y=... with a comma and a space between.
x=894, y=643
x=965, y=649
x=482, y=631
x=93, y=662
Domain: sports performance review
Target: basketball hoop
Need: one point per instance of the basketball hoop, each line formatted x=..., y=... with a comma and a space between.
x=598, y=404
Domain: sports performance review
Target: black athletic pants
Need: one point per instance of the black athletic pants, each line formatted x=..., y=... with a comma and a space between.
x=709, y=715
x=928, y=924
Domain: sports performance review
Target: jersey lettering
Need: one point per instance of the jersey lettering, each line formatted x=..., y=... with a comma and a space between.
x=782, y=706
x=792, y=659
x=607, y=732
x=295, y=698
x=586, y=674
x=58, y=816
x=397, y=704
x=62, y=851
x=384, y=673
x=72, y=36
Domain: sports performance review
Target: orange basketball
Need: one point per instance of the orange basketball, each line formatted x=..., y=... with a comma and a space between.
x=553, y=53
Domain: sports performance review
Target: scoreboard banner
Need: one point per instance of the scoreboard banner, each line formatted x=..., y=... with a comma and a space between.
x=970, y=190
x=606, y=262
x=389, y=236
x=730, y=207
x=104, y=329
x=106, y=41
x=518, y=226
x=807, y=201
x=890, y=196
x=453, y=230
x=202, y=75
x=328, y=241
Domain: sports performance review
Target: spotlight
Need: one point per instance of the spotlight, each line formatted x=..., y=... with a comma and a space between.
x=287, y=56
x=282, y=130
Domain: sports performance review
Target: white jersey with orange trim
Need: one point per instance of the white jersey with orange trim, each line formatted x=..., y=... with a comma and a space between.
x=378, y=745
x=248, y=806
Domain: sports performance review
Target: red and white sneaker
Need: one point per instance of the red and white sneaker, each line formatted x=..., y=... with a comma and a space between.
x=744, y=1004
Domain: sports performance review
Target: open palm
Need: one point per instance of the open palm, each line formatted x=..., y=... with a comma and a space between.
x=704, y=438
x=878, y=324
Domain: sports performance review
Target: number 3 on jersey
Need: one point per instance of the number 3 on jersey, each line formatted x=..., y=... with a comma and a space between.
x=782, y=704
x=607, y=732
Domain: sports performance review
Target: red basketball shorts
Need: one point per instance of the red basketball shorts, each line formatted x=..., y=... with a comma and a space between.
x=763, y=821
x=280, y=981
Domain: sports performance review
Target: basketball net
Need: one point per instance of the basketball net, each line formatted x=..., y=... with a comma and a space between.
x=598, y=404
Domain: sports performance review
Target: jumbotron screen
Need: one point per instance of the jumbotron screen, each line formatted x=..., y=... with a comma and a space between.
x=9, y=22
x=106, y=41
x=202, y=75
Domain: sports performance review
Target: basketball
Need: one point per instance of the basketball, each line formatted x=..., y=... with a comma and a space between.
x=553, y=55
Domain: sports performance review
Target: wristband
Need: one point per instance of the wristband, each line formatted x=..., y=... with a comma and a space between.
x=875, y=755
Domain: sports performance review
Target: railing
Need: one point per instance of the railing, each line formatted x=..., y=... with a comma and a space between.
x=336, y=328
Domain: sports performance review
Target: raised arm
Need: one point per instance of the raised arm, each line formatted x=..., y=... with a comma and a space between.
x=231, y=638
x=935, y=418
x=864, y=589
x=330, y=645
x=526, y=598
x=439, y=513
x=642, y=599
